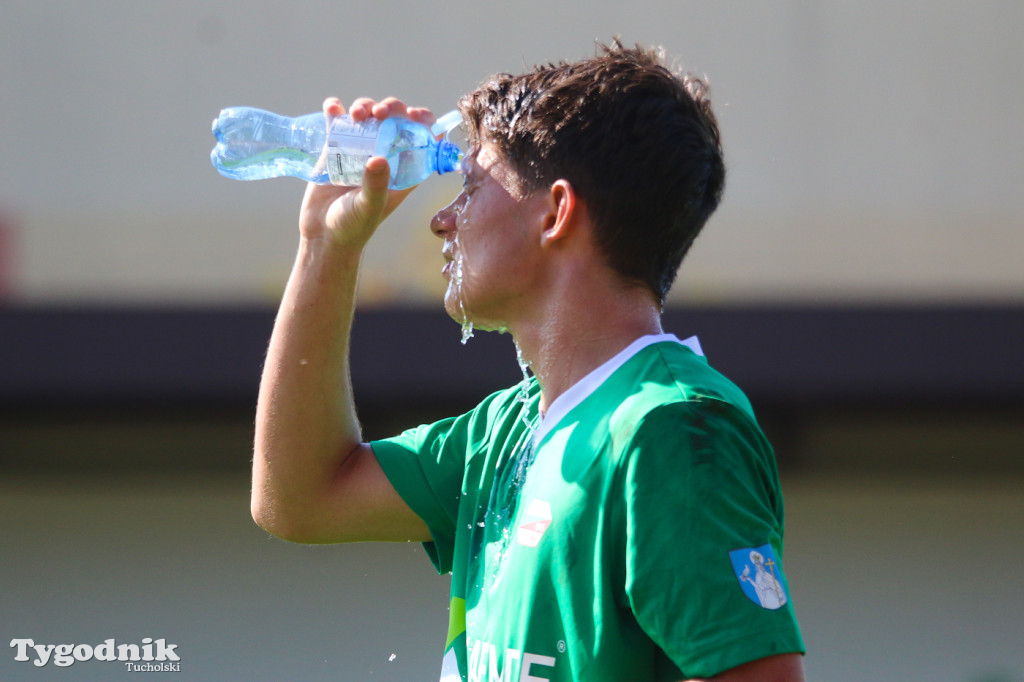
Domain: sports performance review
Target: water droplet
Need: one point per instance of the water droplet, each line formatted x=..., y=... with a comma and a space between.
x=524, y=391
x=457, y=283
x=524, y=366
x=392, y=657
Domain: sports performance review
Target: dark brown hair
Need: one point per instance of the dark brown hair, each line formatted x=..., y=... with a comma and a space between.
x=638, y=143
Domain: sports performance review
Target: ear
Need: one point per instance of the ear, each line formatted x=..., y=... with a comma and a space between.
x=562, y=213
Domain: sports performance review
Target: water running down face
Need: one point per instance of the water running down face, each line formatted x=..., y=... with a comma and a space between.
x=490, y=258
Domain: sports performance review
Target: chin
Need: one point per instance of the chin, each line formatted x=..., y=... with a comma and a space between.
x=452, y=307
x=462, y=315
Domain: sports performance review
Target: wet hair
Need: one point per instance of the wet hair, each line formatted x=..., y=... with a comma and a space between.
x=638, y=142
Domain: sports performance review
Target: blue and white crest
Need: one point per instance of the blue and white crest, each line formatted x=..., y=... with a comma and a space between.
x=760, y=576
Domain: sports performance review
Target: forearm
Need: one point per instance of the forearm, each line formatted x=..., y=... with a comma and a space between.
x=305, y=418
x=313, y=479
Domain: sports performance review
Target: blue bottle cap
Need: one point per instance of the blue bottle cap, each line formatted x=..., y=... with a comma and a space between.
x=449, y=157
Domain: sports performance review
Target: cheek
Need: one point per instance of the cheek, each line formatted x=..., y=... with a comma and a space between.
x=470, y=226
x=467, y=212
x=488, y=236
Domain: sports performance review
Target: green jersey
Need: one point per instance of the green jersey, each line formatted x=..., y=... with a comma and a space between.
x=633, y=533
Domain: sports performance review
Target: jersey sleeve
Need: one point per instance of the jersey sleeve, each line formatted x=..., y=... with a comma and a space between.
x=426, y=466
x=701, y=498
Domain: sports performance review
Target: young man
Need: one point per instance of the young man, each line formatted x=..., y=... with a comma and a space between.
x=616, y=517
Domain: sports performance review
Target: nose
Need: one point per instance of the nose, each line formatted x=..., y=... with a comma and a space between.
x=443, y=222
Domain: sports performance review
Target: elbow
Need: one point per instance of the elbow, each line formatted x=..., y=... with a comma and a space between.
x=277, y=521
x=263, y=514
x=280, y=527
x=270, y=518
x=270, y=508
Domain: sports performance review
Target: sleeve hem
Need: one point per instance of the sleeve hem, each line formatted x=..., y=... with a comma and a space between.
x=414, y=489
x=714, y=660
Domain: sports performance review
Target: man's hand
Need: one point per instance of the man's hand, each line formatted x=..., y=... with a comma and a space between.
x=350, y=215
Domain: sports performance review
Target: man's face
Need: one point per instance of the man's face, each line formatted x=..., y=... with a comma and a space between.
x=491, y=243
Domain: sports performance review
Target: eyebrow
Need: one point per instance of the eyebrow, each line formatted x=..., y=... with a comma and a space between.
x=470, y=170
x=470, y=159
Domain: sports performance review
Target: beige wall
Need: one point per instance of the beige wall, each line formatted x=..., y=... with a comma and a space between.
x=874, y=148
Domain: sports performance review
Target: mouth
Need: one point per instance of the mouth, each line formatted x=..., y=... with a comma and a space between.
x=449, y=260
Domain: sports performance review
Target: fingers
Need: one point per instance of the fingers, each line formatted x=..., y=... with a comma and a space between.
x=365, y=107
x=362, y=108
x=333, y=107
x=421, y=115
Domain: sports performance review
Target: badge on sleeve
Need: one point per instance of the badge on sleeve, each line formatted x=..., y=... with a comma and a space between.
x=760, y=576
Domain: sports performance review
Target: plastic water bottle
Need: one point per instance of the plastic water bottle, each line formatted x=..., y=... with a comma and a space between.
x=253, y=144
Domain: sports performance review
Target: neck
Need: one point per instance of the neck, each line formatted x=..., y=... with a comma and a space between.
x=581, y=330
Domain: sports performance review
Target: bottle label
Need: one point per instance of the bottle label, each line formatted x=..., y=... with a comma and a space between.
x=349, y=146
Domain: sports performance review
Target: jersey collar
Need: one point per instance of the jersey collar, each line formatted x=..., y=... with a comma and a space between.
x=579, y=391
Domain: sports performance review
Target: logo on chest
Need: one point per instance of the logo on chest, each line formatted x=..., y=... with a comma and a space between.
x=535, y=522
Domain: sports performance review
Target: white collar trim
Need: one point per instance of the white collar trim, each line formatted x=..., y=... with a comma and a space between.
x=579, y=391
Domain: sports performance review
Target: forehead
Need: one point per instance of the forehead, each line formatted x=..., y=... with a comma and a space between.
x=486, y=161
x=481, y=158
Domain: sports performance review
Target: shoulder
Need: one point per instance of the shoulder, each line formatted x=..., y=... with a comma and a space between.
x=669, y=391
x=686, y=421
x=695, y=378
x=703, y=429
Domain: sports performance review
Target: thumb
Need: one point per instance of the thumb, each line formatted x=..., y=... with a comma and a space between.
x=372, y=198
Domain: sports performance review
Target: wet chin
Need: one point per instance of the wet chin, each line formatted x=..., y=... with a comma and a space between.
x=451, y=304
x=460, y=312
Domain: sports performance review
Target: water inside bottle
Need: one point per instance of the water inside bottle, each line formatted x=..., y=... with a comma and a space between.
x=347, y=169
x=407, y=167
x=268, y=163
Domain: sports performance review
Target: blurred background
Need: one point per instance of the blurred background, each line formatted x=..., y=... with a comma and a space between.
x=862, y=280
